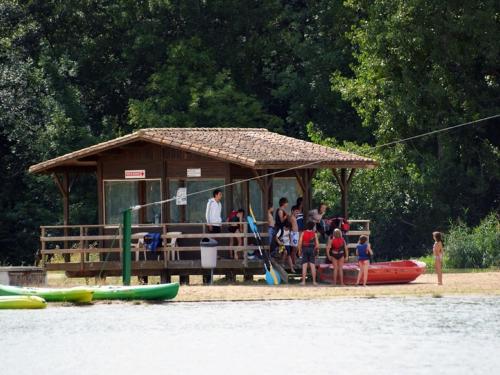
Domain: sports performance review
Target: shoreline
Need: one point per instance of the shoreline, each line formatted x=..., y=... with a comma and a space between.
x=455, y=284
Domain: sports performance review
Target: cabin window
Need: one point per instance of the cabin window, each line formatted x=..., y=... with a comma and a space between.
x=197, y=204
x=122, y=194
x=175, y=213
x=194, y=211
x=239, y=200
x=256, y=199
x=287, y=187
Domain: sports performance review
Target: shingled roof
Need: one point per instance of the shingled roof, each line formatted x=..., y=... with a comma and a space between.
x=250, y=147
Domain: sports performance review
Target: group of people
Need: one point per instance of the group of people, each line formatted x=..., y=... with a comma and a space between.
x=292, y=236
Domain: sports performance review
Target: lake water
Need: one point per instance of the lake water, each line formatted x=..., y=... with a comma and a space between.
x=456, y=335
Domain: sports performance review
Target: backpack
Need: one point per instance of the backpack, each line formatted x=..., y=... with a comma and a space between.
x=345, y=226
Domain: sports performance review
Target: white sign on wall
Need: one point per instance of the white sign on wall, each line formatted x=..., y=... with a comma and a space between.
x=135, y=173
x=181, y=197
x=194, y=172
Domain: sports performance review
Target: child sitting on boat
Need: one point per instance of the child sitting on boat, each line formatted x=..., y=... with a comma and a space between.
x=363, y=252
x=308, y=247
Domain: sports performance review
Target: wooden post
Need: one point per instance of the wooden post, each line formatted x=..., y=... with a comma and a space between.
x=344, y=181
x=166, y=253
x=127, y=234
x=229, y=191
x=82, y=247
x=42, y=244
x=63, y=185
x=245, y=243
x=182, y=209
x=164, y=191
x=307, y=197
x=270, y=180
x=263, y=183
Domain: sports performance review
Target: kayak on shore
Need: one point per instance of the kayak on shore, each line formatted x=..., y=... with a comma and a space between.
x=76, y=294
x=397, y=272
x=137, y=292
x=22, y=302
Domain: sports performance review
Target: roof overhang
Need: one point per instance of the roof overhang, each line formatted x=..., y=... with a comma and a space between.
x=82, y=159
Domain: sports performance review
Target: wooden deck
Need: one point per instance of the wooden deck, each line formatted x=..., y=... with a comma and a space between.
x=96, y=250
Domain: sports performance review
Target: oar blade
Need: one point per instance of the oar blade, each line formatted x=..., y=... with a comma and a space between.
x=251, y=224
x=269, y=278
x=251, y=211
x=272, y=278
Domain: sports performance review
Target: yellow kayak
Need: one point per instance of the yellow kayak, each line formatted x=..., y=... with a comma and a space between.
x=22, y=302
x=77, y=294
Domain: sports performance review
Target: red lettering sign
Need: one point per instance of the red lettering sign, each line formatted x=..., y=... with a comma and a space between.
x=135, y=173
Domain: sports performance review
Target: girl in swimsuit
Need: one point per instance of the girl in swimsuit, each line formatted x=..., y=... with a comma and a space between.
x=363, y=252
x=336, y=251
x=438, y=251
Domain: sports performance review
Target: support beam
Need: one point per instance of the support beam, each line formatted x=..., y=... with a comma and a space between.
x=264, y=186
x=259, y=180
x=228, y=190
x=164, y=209
x=344, y=180
x=269, y=180
x=300, y=180
x=307, y=197
x=64, y=186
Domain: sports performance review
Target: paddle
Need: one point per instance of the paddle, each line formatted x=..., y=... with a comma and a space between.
x=272, y=278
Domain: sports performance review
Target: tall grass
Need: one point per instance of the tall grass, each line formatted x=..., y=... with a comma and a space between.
x=477, y=247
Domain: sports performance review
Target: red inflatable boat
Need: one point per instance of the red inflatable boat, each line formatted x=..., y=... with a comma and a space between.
x=398, y=272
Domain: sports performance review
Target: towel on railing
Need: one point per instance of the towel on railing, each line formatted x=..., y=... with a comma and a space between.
x=152, y=241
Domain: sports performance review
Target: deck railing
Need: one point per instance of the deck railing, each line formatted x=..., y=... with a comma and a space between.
x=91, y=241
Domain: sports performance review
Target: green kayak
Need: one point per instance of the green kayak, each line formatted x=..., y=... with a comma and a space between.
x=22, y=302
x=139, y=292
x=77, y=294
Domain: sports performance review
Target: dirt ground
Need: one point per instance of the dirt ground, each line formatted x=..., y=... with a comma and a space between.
x=472, y=283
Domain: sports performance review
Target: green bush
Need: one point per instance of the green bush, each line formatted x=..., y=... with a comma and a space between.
x=429, y=262
x=477, y=247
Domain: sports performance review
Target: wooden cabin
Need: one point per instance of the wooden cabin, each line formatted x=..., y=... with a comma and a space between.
x=256, y=167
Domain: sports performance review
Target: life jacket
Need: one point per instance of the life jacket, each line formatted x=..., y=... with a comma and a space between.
x=308, y=237
x=232, y=215
x=337, y=244
x=345, y=226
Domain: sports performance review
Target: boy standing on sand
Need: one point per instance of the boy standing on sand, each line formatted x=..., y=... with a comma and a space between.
x=308, y=247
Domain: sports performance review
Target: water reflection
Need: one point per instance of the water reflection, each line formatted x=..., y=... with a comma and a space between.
x=355, y=336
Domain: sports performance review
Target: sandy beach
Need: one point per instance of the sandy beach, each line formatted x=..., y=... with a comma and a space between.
x=487, y=283
x=472, y=283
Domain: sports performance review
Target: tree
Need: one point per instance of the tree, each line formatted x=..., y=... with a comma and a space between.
x=424, y=65
x=190, y=90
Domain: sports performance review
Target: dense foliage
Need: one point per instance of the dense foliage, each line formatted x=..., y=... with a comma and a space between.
x=362, y=73
x=476, y=247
